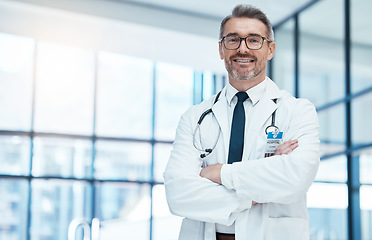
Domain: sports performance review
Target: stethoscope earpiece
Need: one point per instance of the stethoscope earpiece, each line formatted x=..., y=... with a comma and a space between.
x=207, y=152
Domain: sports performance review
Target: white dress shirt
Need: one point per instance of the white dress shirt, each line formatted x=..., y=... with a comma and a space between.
x=255, y=95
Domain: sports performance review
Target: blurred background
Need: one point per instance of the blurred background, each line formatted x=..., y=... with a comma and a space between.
x=91, y=92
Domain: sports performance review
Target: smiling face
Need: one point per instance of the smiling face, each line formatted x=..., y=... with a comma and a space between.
x=246, y=68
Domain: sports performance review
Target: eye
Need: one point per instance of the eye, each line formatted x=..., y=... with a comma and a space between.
x=232, y=39
x=254, y=40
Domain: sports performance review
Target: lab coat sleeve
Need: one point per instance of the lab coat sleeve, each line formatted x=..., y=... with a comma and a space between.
x=284, y=178
x=190, y=195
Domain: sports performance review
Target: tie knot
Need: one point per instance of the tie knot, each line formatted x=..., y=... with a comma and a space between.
x=242, y=96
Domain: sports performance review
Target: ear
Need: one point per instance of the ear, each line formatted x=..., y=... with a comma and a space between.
x=220, y=48
x=271, y=50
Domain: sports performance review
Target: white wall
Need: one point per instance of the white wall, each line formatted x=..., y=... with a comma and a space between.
x=72, y=23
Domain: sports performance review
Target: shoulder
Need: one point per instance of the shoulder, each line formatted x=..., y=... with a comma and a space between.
x=290, y=101
x=296, y=107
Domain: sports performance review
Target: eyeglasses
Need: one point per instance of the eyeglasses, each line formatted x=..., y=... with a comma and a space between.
x=253, y=42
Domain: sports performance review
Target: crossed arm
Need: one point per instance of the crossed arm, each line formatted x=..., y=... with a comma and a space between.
x=213, y=172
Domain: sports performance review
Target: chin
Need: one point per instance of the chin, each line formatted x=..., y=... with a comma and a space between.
x=244, y=77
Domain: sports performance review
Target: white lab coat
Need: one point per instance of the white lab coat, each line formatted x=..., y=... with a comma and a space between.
x=278, y=183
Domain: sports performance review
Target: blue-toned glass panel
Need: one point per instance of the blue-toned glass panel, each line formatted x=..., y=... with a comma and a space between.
x=123, y=161
x=16, y=77
x=124, y=96
x=321, y=53
x=166, y=226
x=64, y=89
x=366, y=211
x=365, y=165
x=15, y=155
x=62, y=157
x=161, y=156
x=55, y=204
x=174, y=95
x=209, y=83
x=124, y=210
x=283, y=61
x=13, y=209
x=327, y=205
x=361, y=116
x=333, y=170
x=361, y=45
x=332, y=129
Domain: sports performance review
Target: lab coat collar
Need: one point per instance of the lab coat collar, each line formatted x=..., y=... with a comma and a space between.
x=255, y=93
x=262, y=111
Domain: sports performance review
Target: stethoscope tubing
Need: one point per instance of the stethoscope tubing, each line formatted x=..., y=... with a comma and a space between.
x=207, y=151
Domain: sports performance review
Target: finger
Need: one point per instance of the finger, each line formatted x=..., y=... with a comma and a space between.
x=286, y=147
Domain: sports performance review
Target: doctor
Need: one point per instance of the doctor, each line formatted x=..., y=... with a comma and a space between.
x=226, y=174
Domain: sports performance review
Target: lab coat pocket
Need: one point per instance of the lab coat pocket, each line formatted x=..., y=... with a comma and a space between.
x=191, y=229
x=287, y=228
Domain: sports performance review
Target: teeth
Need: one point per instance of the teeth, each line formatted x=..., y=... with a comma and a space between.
x=244, y=61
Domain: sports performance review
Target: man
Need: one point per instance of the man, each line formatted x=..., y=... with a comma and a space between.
x=226, y=175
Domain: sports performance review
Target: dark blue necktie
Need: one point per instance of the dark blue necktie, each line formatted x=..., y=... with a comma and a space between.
x=237, y=130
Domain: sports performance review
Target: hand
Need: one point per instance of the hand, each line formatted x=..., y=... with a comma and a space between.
x=212, y=172
x=287, y=147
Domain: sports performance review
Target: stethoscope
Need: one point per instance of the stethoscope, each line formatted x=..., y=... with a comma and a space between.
x=207, y=151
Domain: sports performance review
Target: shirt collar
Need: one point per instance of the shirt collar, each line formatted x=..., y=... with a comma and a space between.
x=255, y=93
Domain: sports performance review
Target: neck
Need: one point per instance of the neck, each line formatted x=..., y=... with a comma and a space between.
x=244, y=85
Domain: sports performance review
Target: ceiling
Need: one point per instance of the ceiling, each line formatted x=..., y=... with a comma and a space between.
x=198, y=17
x=276, y=10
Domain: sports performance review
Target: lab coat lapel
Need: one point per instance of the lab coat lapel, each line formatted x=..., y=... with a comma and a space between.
x=262, y=111
x=220, y=111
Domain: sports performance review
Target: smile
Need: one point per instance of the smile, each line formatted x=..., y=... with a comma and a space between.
x=243, y=60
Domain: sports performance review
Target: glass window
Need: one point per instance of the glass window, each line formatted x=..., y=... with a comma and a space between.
x=62, y=157
x=124, y=96
x=16, y=75
x=165, y=225
x=283, y=61
x=361, y=45
x=208, y=85
x=361, y=120
x=321, y=58
x=365, y=166
x=174, y=95
x=198, y=88
x=54, y=204
x=123, y=160
x=366, y=211
x=13, y=208
x=124, y=210
x=332, y=130
x=221, y=80
x=161, y=156
x=64, y=89
x=15, y=155
x=333, y=170
x=327, y=209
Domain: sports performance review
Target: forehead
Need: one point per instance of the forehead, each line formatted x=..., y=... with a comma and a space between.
x=244, y=26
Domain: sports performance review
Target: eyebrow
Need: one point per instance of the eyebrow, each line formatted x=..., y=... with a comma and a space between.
x=249, y=35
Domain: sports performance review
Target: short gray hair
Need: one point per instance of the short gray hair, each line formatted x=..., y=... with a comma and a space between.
x=249, y=11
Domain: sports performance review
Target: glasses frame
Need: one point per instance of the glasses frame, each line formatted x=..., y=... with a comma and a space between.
x=245, y=40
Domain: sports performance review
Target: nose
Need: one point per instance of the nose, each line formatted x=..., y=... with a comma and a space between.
x=243, y=46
